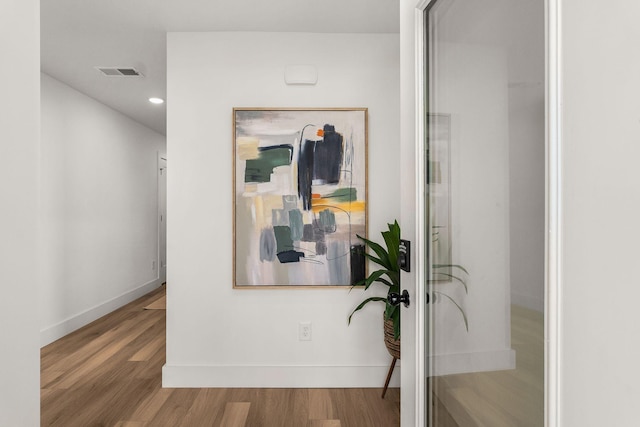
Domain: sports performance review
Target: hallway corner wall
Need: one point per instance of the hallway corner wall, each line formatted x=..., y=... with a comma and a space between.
x=19, y=144
x=98, y=224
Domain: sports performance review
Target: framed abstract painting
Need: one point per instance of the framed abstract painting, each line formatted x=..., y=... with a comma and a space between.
x=300, y=196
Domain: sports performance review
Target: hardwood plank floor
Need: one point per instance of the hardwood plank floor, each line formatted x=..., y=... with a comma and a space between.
x=109, y=374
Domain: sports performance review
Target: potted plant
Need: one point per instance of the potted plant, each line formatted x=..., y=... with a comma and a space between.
x=389, y=275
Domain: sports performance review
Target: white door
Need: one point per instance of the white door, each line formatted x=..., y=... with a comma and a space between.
x=477, y=288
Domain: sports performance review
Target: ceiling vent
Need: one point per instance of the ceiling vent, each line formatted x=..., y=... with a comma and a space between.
x=119, y=71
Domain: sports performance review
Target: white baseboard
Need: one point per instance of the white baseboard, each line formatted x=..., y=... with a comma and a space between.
x=278, y=376
x=59, y=330
x=462, y=363
x=232, y=376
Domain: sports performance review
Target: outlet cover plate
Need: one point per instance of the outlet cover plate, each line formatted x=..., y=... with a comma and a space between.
x=304, y=331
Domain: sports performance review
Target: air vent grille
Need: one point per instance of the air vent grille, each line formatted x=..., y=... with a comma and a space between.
x=119, y=71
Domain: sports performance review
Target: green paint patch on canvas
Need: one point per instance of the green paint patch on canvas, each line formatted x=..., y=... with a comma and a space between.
x=343, y=195
x=260, y=169
x=327, y=221
x=283, y=238
x=296, y=224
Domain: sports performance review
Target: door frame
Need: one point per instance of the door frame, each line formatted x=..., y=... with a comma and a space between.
x=414, y=410
x=161, y=168
x=553, y=210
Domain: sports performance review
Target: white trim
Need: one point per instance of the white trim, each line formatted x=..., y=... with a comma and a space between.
x=252, y=376
x=158, y=213
x=553, y=249
x=161, y=269
x=421, y=369
x=59, y=330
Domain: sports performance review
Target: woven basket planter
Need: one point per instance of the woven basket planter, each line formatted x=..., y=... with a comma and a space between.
x=393, y=346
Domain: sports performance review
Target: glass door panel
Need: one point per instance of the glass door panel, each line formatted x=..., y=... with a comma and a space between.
x=484, y=152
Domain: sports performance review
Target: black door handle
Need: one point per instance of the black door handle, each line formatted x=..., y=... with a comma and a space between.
x=396, y=299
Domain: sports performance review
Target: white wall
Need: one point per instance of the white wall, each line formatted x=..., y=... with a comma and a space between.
x=19, y=135
x=98, y=222
x=218, y=336
x=600, y=343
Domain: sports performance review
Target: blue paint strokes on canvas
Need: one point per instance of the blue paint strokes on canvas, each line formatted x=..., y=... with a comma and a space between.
x=260, y=169
x=349, y=154
x=321, y=247
x=328, y=156
x=339, y=272
x=290, y=256
x=267, y=245
x=296, y=224
x=320, y=162
x=307, y=233
x=327, y=221
x=357, y=264
x=305, y=172
x=314, y=233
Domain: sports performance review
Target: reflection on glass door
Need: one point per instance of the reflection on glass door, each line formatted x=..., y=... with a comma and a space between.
x=484, y=152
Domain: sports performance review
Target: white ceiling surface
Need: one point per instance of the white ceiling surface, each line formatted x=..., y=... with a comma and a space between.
x=78, y=35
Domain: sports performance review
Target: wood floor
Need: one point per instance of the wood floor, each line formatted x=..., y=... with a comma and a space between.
x=109, y=374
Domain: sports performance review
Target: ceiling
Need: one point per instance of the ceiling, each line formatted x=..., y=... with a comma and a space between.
x=78, y=35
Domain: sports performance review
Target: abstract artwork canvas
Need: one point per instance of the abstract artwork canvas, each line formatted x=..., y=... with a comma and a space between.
x=300, y=196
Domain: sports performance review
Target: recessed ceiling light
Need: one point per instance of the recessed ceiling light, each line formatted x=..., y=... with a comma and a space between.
x=156, y=100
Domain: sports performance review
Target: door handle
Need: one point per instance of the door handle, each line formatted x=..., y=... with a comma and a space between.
x=396, y=299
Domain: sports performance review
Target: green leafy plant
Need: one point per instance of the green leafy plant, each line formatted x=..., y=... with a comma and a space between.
x=388, y=275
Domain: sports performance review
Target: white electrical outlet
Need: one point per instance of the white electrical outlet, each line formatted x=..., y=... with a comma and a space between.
x=304, y=331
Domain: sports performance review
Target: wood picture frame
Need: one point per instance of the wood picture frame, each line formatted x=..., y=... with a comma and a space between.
x=300, y=197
